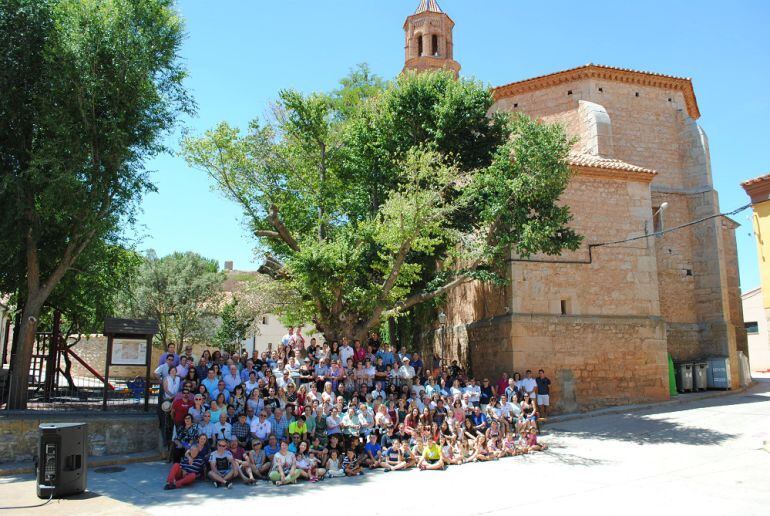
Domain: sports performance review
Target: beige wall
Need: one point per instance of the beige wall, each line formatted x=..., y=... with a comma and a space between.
x=759, y=345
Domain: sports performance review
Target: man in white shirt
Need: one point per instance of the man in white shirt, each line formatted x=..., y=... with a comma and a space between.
x=232, y=378
x=530, y=385
x=406, y=373
x=261, y=427
x=474, y=392
x=346, y=351
x=288, y=339
x=370, y=372
x=223, y=428
x=161, y=371
x=378, y=392
x=283, y=380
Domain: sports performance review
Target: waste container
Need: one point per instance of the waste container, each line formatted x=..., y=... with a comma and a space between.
x=699, y=376
x=684, y=377
x=718, y=373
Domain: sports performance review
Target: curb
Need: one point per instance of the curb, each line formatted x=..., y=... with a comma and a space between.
x=679, y=400
x=25, y=468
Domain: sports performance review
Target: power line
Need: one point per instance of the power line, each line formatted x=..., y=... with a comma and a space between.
x=641, y=237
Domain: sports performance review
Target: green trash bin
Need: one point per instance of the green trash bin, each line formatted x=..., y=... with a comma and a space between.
x=672, y=377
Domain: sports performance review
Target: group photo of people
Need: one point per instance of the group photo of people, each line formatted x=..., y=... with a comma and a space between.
x=308, y=411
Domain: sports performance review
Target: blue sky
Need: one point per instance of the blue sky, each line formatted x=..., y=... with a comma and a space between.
x=240, y=53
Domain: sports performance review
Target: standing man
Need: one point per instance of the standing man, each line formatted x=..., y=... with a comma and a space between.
x=530, y=385
x=374, y=341
x=543, y=392
x=162, y=371
x=288, y=339
x=232, y=379
x=346, y=351
x=170, y=351
x=406, y=373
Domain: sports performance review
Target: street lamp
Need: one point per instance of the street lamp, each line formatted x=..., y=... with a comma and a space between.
x=657, y=220
x=442, y=322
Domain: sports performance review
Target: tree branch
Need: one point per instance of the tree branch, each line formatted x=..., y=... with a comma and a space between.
x=281, y=229
x=427, y=296
x=267, y=234
x=389, y=283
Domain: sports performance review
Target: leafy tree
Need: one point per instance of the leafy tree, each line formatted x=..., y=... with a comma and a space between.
x=367, y=209
x=233, y=328
x=88, y=88
x=181, y=291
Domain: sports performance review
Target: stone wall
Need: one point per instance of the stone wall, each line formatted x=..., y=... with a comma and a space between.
x=593, y=362
x=108, y=434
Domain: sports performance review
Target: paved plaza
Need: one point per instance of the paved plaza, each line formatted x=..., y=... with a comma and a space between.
x=699, y=457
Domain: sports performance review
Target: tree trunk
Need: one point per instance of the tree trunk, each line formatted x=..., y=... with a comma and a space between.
x=20, y=362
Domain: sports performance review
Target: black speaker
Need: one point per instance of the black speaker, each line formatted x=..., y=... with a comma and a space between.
x=61, y=459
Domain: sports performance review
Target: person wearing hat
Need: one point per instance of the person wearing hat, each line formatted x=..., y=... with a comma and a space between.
x=406, y=373
x=306, y=372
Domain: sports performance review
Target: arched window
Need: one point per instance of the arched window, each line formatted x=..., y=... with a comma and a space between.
x=434, y=46
x=419, y=45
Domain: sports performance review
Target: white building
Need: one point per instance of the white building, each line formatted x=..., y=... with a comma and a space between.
x=756, y=329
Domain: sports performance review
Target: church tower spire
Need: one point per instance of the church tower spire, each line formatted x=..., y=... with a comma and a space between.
x=429, y=43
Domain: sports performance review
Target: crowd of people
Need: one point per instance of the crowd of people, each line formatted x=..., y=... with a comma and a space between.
x=309, y=411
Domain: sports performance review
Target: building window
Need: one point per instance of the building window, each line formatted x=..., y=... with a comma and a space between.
x=434, y=45
x=264, y=319
x=752, y=328
x=419, y=46
x=565, y=308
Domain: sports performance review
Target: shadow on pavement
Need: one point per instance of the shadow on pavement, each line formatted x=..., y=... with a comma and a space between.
x=640, y=429
x=142, y=485
x=650, y=426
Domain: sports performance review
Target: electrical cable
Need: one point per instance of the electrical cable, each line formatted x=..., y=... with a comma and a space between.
x=30, y=506
x=641, y=237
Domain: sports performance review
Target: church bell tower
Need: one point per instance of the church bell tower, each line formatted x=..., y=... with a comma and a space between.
x=429, y=44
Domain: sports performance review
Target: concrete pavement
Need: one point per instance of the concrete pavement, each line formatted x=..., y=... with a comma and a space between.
x=704, y=456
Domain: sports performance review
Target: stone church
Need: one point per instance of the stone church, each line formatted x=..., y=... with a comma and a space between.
x=601, y=320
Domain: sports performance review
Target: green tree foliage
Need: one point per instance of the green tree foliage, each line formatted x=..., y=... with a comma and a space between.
x=89, y=87
x=95, y=286
x=181, y=291
x=368, y=207
x=233, y=328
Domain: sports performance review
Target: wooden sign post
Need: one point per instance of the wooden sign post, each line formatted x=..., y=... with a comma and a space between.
x=129, y=342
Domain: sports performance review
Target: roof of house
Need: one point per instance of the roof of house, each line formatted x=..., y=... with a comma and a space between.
x=611, y=73
x=591, y=164
x=756, y=180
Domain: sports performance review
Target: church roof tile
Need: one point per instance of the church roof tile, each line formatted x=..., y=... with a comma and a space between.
x=592, y=162
x=612, y=73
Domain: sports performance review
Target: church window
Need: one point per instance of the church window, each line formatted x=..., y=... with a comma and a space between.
x=569, y=92
x=565, y=306
x=637, y=93
x=601, y=90
x=516, y=105
x=419, y=46
x=434, y=45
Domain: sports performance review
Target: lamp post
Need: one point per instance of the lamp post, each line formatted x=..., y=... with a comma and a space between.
x=442, y=322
